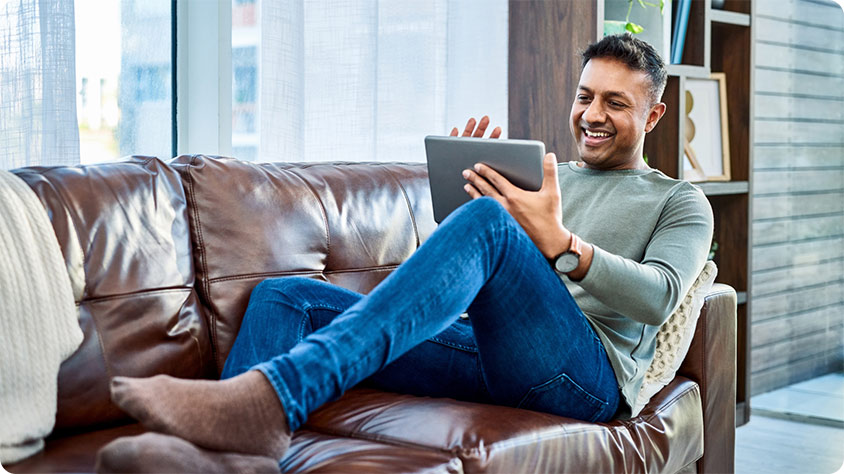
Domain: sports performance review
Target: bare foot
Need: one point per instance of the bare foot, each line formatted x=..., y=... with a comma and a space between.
x=158, y=453
x=242, y=414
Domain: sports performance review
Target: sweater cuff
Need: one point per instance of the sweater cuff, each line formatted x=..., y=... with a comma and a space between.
x=595, y=275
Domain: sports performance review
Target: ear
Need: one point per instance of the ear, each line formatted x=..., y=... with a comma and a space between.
x=656, y=113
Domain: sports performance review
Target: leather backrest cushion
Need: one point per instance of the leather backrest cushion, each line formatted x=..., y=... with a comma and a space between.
x=347, y=223
x=124, y=236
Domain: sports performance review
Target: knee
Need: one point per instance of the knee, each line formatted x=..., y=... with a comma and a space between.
x=483, y=212
x=280, y=289
x=274, y=297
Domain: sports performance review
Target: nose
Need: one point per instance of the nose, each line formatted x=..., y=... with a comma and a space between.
x=594, y=112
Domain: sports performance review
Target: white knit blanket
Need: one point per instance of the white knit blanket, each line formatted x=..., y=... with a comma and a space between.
x=39, y=326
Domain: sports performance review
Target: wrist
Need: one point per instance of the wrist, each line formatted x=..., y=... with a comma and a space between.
x=559, y=241
x=575, y=258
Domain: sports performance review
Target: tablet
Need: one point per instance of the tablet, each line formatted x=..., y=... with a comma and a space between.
x=520, y=161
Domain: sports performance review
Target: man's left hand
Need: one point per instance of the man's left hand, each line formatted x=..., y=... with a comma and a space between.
x=540, y=213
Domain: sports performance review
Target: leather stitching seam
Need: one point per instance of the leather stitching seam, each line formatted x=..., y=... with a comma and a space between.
x=322, y=208
x=407, y=202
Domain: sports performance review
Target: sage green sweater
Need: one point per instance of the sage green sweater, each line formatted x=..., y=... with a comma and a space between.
x=651, y=235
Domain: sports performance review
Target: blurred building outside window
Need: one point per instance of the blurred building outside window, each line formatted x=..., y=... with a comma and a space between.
x=123, y=79
x=245, y=72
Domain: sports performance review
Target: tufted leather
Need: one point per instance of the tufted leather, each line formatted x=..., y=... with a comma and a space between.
x=350, y=224
x=163, y=259
x=123, y=232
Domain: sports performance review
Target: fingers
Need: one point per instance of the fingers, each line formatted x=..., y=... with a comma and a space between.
x=471, y=131
x=472, y=191
x=470, y=126
x=498, y=183
x=482, y=125
x=549, y=172
x=480, y=185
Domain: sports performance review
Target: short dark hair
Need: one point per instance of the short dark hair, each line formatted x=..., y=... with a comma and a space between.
x=636, y=54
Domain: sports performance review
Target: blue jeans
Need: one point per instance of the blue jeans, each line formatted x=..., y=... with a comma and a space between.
x=526, y=343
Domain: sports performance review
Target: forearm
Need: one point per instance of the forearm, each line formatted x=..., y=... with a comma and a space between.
x=645, y=292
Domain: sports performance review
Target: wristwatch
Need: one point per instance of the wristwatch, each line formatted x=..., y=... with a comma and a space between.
x=569, y=260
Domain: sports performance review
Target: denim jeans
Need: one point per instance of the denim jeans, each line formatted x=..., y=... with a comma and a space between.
x=526, y=343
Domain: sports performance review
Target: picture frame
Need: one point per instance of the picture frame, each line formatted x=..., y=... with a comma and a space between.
x=707, y=140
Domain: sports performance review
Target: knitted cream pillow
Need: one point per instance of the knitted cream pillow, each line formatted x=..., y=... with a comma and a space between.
x=675, y=337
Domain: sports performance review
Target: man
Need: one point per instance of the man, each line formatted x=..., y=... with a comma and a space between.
x=565, y=288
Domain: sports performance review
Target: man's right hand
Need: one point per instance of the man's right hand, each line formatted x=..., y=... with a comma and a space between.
x=471, y=131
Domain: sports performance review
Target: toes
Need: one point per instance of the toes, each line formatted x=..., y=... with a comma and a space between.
x=121, y=455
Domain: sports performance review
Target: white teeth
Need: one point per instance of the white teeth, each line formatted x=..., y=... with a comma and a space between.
x=596, y=134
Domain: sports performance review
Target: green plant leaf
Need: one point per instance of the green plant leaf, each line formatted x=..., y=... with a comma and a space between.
x=633, y=28
x=613, y=27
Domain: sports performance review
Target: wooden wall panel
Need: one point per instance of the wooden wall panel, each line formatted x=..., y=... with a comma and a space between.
x=797, y=278
x=815, y=320
x=770, y=81
x=788, y=280
x=818, y=13
x=544, y=73
x=796, y=157
x=794, y=254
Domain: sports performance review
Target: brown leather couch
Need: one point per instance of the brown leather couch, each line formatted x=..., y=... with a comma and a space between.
x=162, y=258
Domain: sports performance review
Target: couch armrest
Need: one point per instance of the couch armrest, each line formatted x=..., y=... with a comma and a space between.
x=711, y=362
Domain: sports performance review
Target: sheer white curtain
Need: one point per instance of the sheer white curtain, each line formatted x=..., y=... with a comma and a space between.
x=366, y=80
x=37, y=75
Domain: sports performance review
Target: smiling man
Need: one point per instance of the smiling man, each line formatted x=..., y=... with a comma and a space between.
x=565, y=287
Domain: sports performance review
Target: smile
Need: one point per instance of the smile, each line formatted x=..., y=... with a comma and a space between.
x=596, y=134
x=596, y=138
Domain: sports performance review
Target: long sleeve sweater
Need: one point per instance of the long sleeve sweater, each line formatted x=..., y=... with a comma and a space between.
x=651, y=236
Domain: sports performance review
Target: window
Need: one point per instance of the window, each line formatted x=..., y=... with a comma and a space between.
x=245, y=64
x=382, y=73
x=123, y=78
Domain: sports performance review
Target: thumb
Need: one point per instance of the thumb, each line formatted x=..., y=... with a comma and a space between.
x=549, y=171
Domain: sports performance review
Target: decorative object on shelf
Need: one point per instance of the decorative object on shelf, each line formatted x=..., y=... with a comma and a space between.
x=707, y=141
x=692, y=170
x=615, y=27
x=681, y=23
x=718, y=4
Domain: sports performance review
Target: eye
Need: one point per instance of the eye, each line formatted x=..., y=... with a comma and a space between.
x=617, y=104
x=582, y=98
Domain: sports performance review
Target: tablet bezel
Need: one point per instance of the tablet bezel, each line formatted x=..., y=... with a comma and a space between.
x=520, y=161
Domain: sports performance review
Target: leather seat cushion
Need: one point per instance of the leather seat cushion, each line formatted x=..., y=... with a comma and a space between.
x=310, y=452
x=123, y=232
x=665, y=437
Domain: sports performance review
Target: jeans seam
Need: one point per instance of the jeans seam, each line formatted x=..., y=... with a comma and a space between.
x=587, y=395
x=454, y=345
x=306, y=308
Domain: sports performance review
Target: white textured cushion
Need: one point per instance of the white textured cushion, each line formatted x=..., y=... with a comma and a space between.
x=675, y=337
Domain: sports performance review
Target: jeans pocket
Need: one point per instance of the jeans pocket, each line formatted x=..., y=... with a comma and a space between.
x=563, y=396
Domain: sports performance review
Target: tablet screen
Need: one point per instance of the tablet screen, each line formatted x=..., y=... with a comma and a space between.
x=520, y=161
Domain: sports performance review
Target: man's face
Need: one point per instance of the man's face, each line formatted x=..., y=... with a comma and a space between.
x=611, y=113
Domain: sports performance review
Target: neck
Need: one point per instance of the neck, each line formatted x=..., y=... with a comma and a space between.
x=637, y=164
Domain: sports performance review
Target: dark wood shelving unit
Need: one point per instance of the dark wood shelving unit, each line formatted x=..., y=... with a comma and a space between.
x=731, y=18
x=727, y=36
x=544, y=69
x=716, y=188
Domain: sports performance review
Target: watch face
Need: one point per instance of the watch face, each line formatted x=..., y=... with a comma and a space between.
x=566, y=262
